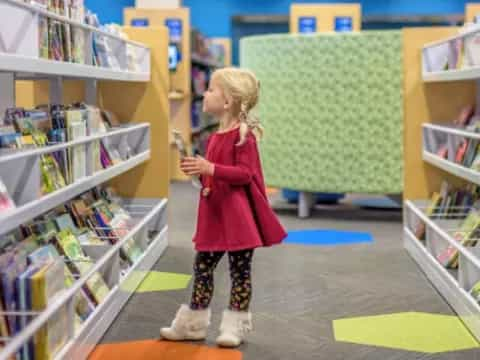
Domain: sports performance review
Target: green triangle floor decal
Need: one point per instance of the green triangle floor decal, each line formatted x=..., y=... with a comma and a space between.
x=411, y=331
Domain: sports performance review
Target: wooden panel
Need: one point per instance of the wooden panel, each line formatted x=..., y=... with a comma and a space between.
x=180, y=80
x=426, y=102
x=145, y=102
x=227, y=45
x=33, y=93
x=471, y=10
x=325, y=15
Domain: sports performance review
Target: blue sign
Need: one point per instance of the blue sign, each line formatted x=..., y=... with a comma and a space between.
x=307, y=25
x=139, y=22
x=175, y=29
x=343, y=24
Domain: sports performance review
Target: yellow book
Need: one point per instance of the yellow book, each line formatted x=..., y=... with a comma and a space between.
x=46, y=285
x=38, y=304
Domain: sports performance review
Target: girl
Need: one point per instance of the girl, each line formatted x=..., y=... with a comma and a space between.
x=233, y=216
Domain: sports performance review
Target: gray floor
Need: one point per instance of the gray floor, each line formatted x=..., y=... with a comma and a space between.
x=299, y=290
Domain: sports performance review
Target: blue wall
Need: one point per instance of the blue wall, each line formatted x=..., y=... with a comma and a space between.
x=109, y=10
x=213, y=17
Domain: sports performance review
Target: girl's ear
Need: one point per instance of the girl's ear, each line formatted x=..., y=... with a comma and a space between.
x=228, y=102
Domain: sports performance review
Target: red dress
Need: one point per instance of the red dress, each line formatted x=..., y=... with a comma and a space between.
x=236, y=214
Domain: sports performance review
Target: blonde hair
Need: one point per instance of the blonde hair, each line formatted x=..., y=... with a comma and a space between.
x=243, y=86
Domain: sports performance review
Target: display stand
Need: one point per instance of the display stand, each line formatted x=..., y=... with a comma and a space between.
x=180, y=79
x=435, y=94
x=145, y=188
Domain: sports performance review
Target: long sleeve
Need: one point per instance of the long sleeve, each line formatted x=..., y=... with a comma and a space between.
x=241, y=172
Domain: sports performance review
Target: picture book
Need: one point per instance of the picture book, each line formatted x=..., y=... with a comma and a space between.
x=65, y=222
x=80, y=264
x=52, y=178
x=6, y=202
x=47, y=284
x=434, y=202
x=462, y=148
x=25, y=304
x=465, y=235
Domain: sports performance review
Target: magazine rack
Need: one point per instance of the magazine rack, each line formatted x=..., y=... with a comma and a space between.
x=20, y=59
x=454, y=285
x=435, y=136
x=440, y=61
x=439, y=55
x=20, y=48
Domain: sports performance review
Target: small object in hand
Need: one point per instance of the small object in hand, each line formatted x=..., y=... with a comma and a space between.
x=206, y=191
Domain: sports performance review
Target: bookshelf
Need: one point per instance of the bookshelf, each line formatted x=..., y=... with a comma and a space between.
x=433, y=93
x=141, y=179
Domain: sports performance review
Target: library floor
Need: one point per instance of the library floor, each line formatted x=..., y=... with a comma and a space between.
x=303, y=298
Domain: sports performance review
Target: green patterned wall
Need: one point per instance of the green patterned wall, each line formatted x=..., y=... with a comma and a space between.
x=332, y=107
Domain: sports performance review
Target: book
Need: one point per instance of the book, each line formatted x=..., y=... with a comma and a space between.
x=77, y=129
x=462, y=148
x=11, y=266
x=6, y=202
x=475, y=291
x=52, y=178
x=431, y=209
x=465, y=236
x=46, y=285
x=65, y=222
x=25, y=304
x=442, y=151
x=120, y=224
x=83, y=306
x=465, y=115
x=68, y=245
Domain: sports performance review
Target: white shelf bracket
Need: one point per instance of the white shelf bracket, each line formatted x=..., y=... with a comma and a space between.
x=56, y=90
x=91, y=87
x=7, y=93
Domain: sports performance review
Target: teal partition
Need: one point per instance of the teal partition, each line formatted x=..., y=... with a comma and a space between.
x=332, y=107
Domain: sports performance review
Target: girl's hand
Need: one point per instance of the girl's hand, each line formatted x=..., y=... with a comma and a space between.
x=192, y=166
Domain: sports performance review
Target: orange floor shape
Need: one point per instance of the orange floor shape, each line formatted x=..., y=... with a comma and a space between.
x=161, y=350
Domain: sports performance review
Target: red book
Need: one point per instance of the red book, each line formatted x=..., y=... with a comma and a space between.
x=461, y=152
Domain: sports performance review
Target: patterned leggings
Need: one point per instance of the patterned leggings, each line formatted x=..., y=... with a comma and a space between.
x=240, y=274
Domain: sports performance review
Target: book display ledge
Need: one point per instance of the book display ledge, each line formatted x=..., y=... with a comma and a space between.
x=22, y=52
x=21, y=58
x=454, y=285
x=452, y=59
x=440, y=144
x=445, y=250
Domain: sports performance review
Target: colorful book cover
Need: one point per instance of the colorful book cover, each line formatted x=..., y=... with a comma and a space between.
x=80, y=264
x=23, y=283
x=65, y=222
x=6, y=202
x=461, y=152
x=464, y=236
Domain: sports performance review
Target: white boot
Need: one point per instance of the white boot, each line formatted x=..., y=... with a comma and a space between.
x=234, y=327
x=188, y=325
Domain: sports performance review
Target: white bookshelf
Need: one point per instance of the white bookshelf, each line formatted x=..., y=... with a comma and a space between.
x=20, y=49
x=19, y=170
x=436, y=54
x=81, y=343
x=434, y=136
x=454, y=286
x=35, y=67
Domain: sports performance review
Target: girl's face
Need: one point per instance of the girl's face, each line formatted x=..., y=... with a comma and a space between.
x=214, y=100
